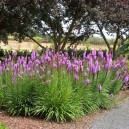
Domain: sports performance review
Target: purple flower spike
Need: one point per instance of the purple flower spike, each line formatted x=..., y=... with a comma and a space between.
x=19, y=75
x=0, y=69
x=94, y=53
x=42, y=77
x=28, y=69
x=76, y=77
x=48, y=81
x=118, y=73
x=96, y=62
x=48, y=72
x=87, y=81
x=126, y=79
x=42, y=69
x=37, y=71
x=94, y=70
x=107, y=55
x=54, y=65
x=15, y=54
x=33, y=55
x=15, y=67
x=7, y=69
x=75, y=49
x=10, y=58
x=99, y=88
x=85, y=74
x=76, y=69
x=84, y=55
x=108, y=63
x=87, y=69
x=13, y=79
x=72, y=53
x=90, y=62
x=47, y=58
x=37, y=61
x=98, y=68
x=100, y=54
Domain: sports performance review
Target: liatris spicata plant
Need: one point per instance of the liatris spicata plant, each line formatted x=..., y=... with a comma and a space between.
x=58, y=87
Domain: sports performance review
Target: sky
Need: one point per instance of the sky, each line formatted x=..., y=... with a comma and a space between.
x=107, y=36
x=105, y=33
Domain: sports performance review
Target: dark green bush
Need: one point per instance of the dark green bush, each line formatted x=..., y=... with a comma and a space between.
x=79, y=53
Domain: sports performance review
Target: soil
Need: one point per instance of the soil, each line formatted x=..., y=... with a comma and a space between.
x=34, y=123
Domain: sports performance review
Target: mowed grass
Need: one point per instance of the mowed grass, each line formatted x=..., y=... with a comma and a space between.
x=14, y=45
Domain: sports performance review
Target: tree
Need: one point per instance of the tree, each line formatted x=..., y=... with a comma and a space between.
x=63, y=20
x=17, y=18
x=113, y=16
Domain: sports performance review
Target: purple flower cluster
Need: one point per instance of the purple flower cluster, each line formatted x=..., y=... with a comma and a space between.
x=43, y=66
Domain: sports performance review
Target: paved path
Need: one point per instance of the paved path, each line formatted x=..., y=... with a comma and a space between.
x=117, y=118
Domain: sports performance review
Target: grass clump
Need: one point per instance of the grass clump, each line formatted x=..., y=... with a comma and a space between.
x=2, y=126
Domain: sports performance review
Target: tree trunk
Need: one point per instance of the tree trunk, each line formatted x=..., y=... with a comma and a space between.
x=104, y=38
x=114, y=49
x=114, y=52
x=115, y=43
x=57, y=47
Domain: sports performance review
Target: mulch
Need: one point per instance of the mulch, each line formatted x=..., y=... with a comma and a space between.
x=15, y=122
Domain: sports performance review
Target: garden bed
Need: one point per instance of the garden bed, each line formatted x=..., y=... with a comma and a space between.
x=57, y=87
x=34, y=123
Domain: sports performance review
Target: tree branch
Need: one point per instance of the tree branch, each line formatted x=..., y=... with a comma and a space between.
x=36, y=42
x=116, y=41
x=70, y=29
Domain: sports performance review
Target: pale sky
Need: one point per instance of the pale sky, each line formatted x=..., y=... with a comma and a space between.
x=107, y=36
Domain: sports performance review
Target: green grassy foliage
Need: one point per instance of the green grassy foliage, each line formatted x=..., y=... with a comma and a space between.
x=61, y=100
x=2, y=126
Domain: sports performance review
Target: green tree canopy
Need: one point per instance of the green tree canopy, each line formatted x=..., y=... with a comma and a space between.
x=63, y=20
x=112, y=16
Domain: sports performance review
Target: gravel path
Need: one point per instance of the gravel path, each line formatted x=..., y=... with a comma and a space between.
x=117, y=118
